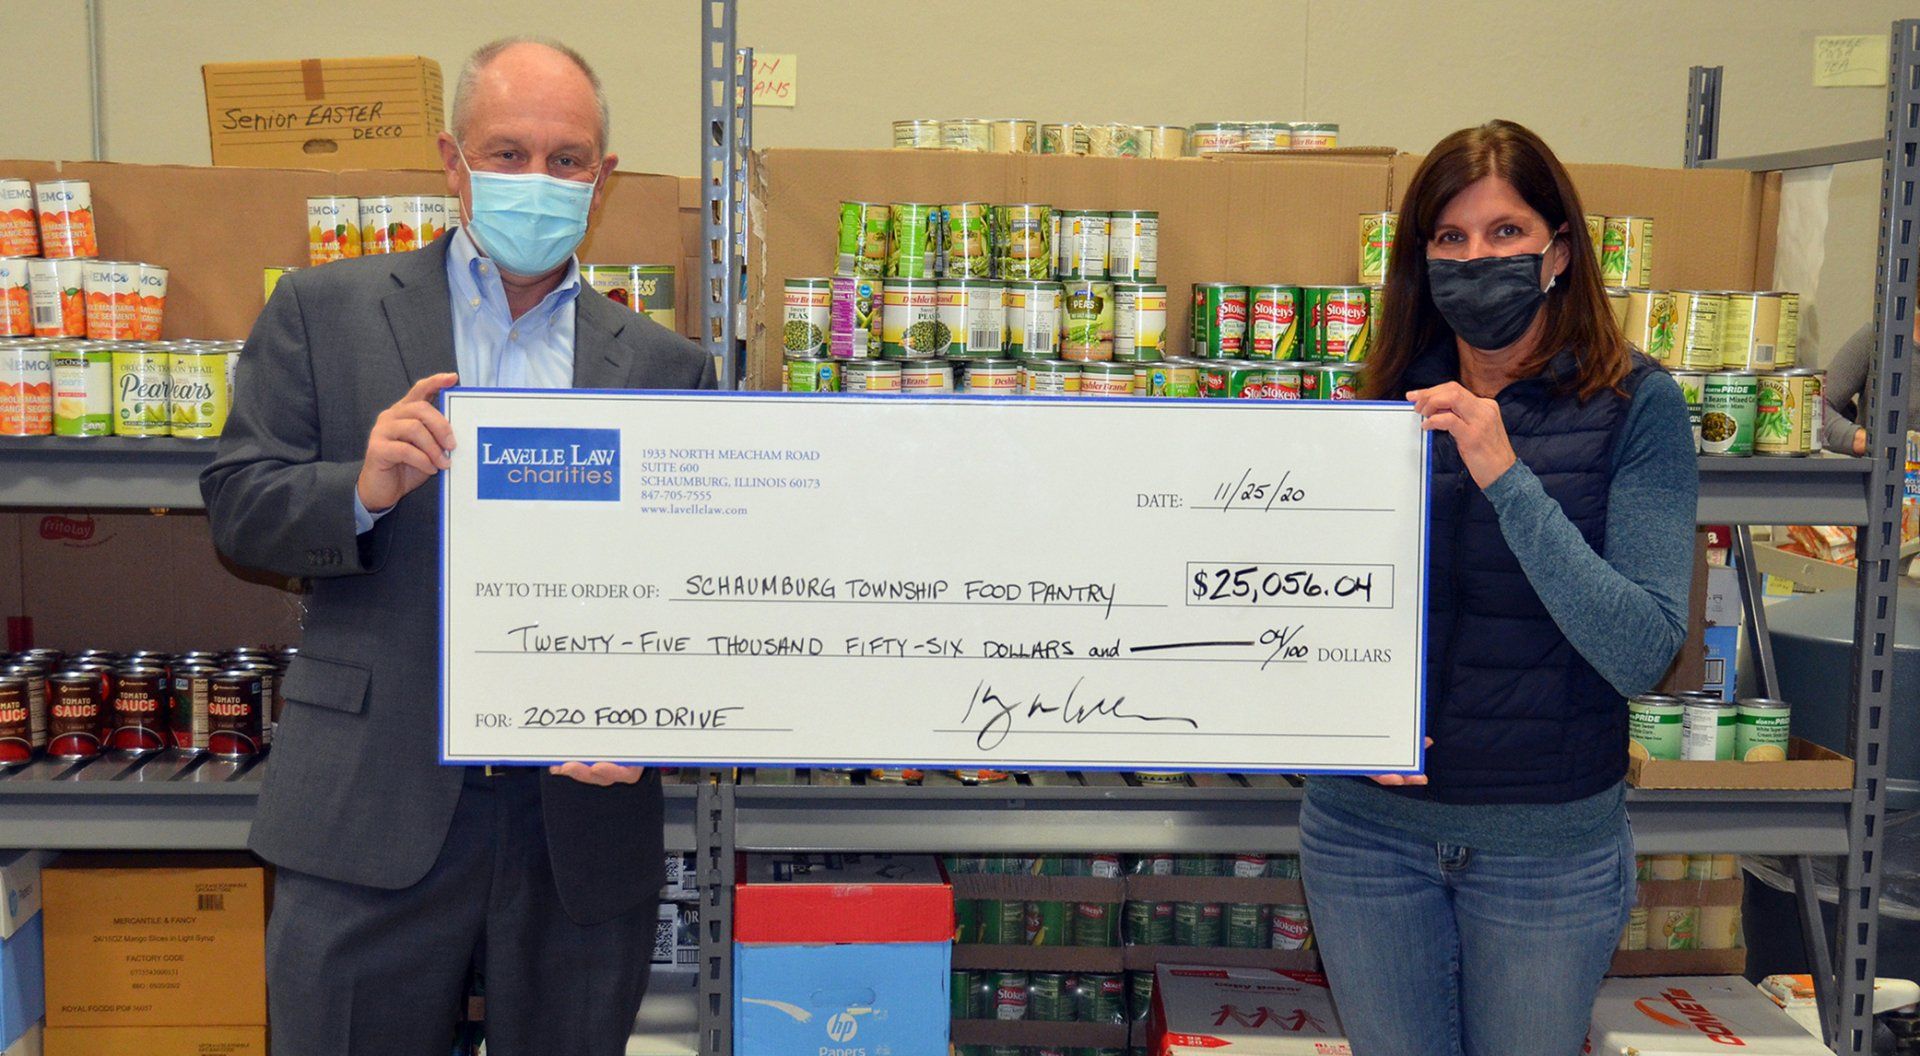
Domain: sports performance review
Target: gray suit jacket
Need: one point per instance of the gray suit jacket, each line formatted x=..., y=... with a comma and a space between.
x=354, y=791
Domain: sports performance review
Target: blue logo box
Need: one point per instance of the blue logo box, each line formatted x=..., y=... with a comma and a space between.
x=561, y=465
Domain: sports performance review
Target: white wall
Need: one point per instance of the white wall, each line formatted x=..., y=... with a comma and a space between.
x=1602, y=82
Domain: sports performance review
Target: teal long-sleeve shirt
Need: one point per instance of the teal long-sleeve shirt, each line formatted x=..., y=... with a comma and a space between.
x=1624, y=609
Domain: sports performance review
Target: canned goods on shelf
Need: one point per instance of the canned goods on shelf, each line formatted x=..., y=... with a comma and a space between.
x=916, y=134
x=333, y=228
x=1087, y=316
x=1219, y=320
x=807, y=316
x=1009, y=135
x=1728, y=401
x=19, y=224
x=970, y=134
x=66, y=218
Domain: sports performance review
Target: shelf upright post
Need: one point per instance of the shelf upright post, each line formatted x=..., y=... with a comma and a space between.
x=743, y=150
x=713, y=816
x=719, y=271
x=1879, y=546
x=1703, y=114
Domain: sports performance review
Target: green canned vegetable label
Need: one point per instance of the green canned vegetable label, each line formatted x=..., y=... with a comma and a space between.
x=1727, y=406
x=863, y=239
x=968, y=238
x=1654, y=728
x=910, y=233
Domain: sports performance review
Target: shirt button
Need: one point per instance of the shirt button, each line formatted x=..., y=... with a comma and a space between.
x=483, y=269
x=474, y=301
x=513, y=335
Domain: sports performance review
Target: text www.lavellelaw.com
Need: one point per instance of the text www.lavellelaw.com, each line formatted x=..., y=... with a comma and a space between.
x=696, y=509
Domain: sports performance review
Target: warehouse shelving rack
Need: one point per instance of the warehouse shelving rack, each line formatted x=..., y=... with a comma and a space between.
x=165, y=802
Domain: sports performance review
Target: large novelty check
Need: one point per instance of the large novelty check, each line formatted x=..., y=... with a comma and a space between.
x=933, y=582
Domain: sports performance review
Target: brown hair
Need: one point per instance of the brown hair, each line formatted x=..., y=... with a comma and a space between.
x=1577, y=316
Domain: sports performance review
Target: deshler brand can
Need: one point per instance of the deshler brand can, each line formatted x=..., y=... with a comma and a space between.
x=1033, y=319
x=1763, y=730
x=1219, y=320
x=1376, y=245
x=870, y=375
x=1696, y=327
x=139, y=703
x=236, y=720
x=1626, y=251
x=1217, y=137
x=1748, y=330
x=1274, y=327
x=807, y=316
x=1139, y=321
x=1649, y=326
x=989, y=376
x=1088, y=334
x=1102, y=378
x=19, y=231
x=141, y=388
x=333, y=228
x=66, y=219
x=974, y=311
x=1654, y=726
x=1727, y=407
x=1133, y=245
x=57, y=289
x=1315, y=135
x=74, y=718
x=910, y=326
x=198, y=399
x=1051, y=377
x=810, y=374
x=926, y=375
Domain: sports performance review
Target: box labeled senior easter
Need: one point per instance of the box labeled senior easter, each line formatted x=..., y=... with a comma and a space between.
x=1685, y=1015
x=1199, y=1009
x=842, y=954
x=350, y=113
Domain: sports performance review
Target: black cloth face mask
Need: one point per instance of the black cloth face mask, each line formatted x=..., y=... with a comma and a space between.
x=1489, y=301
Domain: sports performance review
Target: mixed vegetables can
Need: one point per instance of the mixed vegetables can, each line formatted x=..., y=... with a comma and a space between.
x=1728, y=401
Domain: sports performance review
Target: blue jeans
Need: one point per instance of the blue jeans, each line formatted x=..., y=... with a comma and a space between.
x=1440, y=950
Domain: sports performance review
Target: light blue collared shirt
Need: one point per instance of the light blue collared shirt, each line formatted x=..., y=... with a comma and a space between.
x=492, y=349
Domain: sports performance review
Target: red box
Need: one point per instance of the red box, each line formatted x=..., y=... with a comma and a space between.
x=817, y=898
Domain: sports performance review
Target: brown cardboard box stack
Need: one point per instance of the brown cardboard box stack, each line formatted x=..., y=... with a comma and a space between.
x=366, y=113
x=156, y=955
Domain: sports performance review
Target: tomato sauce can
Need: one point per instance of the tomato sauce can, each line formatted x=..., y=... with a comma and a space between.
x=16, y=722
x=139, y=711
x=74, y=714
x=333, y=228
x=236, y=717
x=16, y=297
x=57, y=292
x=26, y=389
x=19, y=230
x=36, y=675
x=66, y=219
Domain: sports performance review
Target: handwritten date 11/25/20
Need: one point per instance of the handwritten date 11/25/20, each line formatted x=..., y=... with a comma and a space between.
x=1246, y=493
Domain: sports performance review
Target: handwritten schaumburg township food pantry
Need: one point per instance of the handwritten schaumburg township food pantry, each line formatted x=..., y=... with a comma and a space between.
x=1320, y=533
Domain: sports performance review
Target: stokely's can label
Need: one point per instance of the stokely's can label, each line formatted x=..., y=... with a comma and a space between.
x=141, y=390
x=236, y=720
x=1275, y=326
x=57, y=290
x=66, y=218
x=75, y=718
x=16, y=297
x=139, y=711
x=333, y=228
x=1290, y=929
x=1219, y=320
x=19, y=231
x=1342, y=314
x=113, y=300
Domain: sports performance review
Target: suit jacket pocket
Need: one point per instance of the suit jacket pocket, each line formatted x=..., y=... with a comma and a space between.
x=334, y=684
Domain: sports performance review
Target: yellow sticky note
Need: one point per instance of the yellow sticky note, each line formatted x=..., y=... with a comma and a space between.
x=776, y=79
x=1850, y=62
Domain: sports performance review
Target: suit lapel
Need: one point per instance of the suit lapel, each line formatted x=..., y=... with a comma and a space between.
x=420, y=312
x=600, y=361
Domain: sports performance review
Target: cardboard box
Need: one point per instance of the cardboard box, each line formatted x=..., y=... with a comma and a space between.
x=873, y=997
x=32, y=1043
x=1720, y=667
x=1807, y=766
x=369, y=113
x=19, y=888
x=1678, y=1016
x=1723, y=597
x=22, y=982
x=866, y=898
x=1258, y=1011
x=156, y=941
x=156, y=1041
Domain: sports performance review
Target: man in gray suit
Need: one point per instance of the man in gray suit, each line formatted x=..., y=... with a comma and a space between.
x=398, y=876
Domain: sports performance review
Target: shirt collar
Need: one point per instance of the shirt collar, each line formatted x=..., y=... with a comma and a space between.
x=473, y=275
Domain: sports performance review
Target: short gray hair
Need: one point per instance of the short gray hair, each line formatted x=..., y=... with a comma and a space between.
x=486, y=53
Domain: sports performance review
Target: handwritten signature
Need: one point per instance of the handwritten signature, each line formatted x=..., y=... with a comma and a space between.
x=1001, y=712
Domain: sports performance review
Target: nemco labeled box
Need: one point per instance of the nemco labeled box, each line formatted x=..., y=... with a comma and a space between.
x=373, y=113
x=1676, y=1016
x=155, y=941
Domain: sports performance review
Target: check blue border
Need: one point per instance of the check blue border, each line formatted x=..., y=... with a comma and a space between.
x=450, y=396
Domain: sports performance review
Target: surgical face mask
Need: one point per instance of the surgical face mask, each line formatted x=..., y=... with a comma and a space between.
x=528, y=222
x=1489, y=301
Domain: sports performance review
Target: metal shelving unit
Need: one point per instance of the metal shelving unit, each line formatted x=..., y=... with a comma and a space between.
x=1868, y=497
x=104, y=472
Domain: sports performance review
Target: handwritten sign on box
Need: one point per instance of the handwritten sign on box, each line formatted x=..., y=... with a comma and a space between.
x=776, y=80
x=1015, y=583
x=1847, y=62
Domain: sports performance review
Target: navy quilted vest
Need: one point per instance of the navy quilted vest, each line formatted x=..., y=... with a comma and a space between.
x=1515, y=713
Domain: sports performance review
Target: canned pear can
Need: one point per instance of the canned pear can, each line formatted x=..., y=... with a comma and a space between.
x=1626, y=251
x=910, y=326
x=198, y=400
x=1273, y=322
x=333, y=228
x=1139, y=321
x=1001, y=923
x=66, y=219
x=1763, y=730
x=863, y=239
x=1133, y=245
x=851, y=333
x=1376, y=245
x=1748, y=331
x=1219, y=320
x=1727, y=405
x=870, y=376
x=57, y=290
x=19, y=230
x=1113, y=140
x=974, y=311
x=141, y=391
x=1596, y=233
x=807, y=316
x=1696, y=321
x=910, y=240
x=1654, y=726
x=1088, y=334
x=1649, y=326
x=810, y=374
x=1033, y=319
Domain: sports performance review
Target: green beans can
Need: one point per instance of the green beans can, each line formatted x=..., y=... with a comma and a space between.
x=1049, y=998
x=967, y=236
x=1244, y=926
x=1088, y=317
x=964, y=997
x=851, y=333
x=1001, y=922
x=1763, y=730
x=811, y=374
x=1693, y=385
x=974, y=311
x=1064, y=138
x=1779, y=419
x=140, y=391
x=1082, y=249
x=863, y=239
x=1139, y=321
x=1697, y=316
x=910, y=326
x=1654, y=726
x=82, y=391
x=807, y=316
x=1049, y=924
x=995, y=377
x=1196, y=924
x=1727, y=405
x=1033, y=319
x=910, y=240
x=1626, y=251
x=1100, y=998
x=870, y=376
x=1149, y=923
x=1806, y=388
x=1273, y=322
x=1376, y=245
x=1649, y=326
x=1219, y=320
x=1051, y=377
x=1133, y=245
x=1025, y=242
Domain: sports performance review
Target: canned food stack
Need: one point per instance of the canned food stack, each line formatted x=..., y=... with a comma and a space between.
x=1242, y=137
x=341, y=226
x=1700, y=726
x=83, y=388
x=1685, y=927
x=75, y=707
x=649, y=289
x=53, y=285
x=1042, y=997
x=1110, y=139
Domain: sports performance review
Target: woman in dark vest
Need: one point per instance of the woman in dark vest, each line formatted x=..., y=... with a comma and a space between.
x=1475, y=910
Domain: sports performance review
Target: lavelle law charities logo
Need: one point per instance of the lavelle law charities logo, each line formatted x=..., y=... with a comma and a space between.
x=563, y=465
